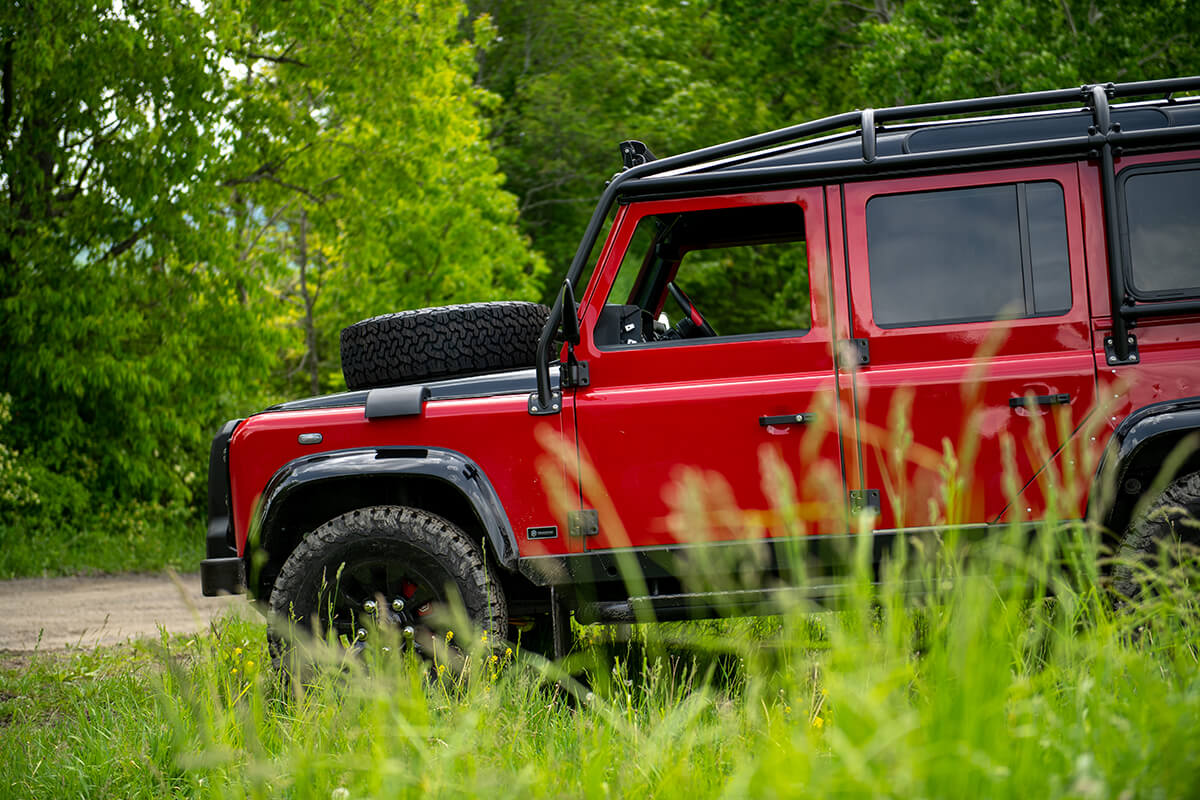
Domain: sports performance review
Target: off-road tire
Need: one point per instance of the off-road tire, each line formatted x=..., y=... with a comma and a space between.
x=441, y=342
x=412, y=539
x=1173, y=516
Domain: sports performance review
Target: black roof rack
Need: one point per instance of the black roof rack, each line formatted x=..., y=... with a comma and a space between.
x=873, y=142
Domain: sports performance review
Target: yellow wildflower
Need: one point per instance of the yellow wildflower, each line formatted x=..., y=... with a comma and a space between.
x=817, y=722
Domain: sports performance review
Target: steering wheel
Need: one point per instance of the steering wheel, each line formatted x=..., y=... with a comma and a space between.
x=691, y=312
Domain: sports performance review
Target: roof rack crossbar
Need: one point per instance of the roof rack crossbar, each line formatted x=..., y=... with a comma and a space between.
x=973, y=105
x=1156, y=88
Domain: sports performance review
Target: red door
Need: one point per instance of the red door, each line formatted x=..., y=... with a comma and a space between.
x=968, y=294
x=708, y=342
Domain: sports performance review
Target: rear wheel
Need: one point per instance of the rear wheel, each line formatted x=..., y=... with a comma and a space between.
x=1173, y=521
x=385, y=566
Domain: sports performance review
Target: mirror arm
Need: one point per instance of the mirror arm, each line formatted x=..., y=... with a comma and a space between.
x=566, y=313
x=542, y=401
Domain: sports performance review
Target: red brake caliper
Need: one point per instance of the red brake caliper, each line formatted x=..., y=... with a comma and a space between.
x=408, y=589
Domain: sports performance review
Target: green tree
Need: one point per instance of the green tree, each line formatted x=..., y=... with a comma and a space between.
x=192, y=194
x=578, y=78
x=944, y=49
x=375, y=186
x=121, y=334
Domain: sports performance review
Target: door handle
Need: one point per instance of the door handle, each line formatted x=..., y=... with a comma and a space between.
x=1061, y=399
x=788, y=419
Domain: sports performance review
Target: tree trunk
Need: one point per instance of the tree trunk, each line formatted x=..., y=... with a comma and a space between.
x=310, y=326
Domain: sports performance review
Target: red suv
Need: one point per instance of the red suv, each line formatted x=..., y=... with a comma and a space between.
x=1017, y=276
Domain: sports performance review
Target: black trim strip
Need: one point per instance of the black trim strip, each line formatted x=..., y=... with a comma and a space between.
x=678, y=561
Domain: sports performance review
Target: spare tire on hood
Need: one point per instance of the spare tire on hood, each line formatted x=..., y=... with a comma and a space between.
x=443, y=342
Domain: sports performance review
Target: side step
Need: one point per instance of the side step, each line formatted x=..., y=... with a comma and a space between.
x=700, y=605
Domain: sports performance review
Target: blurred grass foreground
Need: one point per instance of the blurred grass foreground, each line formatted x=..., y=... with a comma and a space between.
x=991, y=669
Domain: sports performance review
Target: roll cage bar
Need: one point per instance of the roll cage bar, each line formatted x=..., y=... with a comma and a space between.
x=693, y=171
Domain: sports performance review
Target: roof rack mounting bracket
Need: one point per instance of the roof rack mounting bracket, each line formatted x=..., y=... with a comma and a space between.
x=1131, y=356
x=868, y=134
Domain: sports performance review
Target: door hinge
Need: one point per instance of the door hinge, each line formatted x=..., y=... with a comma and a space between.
x=852, y=353
x=864, y=500
x=584, y=522
x=573, y=374
x=1110, y=352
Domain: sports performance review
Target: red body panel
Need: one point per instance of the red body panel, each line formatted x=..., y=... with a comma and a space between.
x=495, y=432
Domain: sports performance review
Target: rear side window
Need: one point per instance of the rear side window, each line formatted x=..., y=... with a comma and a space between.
x=968, y=255
x=1162, y=227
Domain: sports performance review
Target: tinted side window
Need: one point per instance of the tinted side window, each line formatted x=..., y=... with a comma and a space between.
x=964, y=255
x=1162, y=215
x=745, y=270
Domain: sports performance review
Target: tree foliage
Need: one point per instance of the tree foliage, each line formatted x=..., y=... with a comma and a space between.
x=942, y=49
x=118, y=315
x=364, y=167
x=173, y=176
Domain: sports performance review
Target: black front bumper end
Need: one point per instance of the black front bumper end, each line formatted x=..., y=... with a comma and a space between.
x=223, y=572
x=222, y=576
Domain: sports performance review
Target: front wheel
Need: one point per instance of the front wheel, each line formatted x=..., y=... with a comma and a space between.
x=385, y=565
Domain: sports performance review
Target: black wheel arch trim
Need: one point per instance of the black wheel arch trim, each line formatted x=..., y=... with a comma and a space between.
x=452, y=467
x=1140, y=434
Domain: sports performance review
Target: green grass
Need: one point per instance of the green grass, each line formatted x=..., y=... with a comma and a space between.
x=106, y=539
x=1008, y=675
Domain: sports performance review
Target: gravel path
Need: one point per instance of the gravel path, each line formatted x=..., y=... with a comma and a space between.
x=106, y=609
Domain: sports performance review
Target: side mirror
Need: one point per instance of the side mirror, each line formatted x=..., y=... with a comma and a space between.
x=570, y=314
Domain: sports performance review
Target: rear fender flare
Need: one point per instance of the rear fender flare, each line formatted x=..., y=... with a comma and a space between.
x=1136, y=453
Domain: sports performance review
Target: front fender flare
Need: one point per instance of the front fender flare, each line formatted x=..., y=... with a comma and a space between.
x=454, y=468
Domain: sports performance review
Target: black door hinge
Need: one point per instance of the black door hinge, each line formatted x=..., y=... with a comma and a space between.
x=854, y=353
x=584, y=522
x=864, y=500
x=573, y=374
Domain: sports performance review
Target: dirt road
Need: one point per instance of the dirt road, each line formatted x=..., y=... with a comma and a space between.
x=103, y=610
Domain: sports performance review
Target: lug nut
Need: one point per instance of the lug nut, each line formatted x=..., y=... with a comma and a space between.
x=408, y=631
x=397, y=605
x=361, y=633
x=370, y=606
